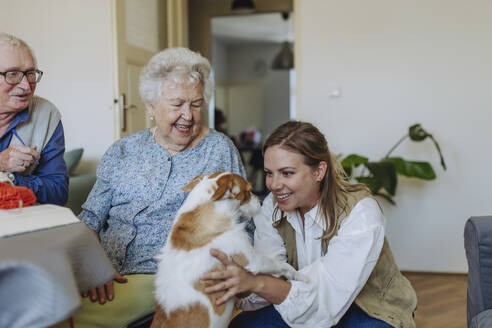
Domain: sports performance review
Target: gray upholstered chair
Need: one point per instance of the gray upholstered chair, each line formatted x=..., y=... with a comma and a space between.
x=79, y=185
x=478, y=247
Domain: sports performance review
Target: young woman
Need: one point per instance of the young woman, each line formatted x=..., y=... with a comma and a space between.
x=330, y=230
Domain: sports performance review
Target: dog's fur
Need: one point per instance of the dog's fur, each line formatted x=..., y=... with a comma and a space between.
x=209, y=218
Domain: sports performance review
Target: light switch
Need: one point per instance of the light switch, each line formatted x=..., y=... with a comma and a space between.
x=336, y=92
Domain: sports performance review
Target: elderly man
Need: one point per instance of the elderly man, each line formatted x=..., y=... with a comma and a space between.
x=32, y=142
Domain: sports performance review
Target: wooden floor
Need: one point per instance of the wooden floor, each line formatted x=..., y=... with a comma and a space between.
x=441, y=299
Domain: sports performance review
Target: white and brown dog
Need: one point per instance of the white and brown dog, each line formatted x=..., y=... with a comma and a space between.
x=209, y=218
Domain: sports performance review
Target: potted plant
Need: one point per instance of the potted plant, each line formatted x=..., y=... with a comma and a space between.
x=381, y=177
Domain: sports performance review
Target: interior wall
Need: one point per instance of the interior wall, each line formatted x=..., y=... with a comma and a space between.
x=72, y=43
x=251, y=63
x=397, y=63
x=219, y=61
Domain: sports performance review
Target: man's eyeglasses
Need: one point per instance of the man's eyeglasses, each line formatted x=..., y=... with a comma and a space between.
x=15, y=77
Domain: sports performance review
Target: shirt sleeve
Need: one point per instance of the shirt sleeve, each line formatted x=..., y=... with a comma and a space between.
x=267, y=242
x=49, y=181
x=95, y=210
x=336, y=278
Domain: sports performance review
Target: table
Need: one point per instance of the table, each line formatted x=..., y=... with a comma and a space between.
x=42, y=272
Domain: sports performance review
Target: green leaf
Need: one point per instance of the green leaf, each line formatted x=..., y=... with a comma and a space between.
x=385, y=173
x=413, y=169
x=417, y=133
x=382, y=178
x=354, y=160
x=373, y=184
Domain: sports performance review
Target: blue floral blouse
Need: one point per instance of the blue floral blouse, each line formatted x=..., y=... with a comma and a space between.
x=138, y=192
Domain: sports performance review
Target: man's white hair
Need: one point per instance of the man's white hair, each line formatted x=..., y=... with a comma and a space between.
x=13, y=41
x=174, y=63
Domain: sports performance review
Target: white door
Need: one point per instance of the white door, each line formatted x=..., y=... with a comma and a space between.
x=141, y=28
x=138, y=35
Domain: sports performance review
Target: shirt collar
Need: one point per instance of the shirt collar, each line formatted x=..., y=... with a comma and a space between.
x=310, y=216
x=21, y=116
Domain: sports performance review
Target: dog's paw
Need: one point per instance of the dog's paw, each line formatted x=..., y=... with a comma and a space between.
x=290, y=273
x=295, y=275
x=298, y=276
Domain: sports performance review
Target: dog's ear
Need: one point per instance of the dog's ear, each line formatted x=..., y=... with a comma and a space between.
x=244, y=192
x=232, y=186
x=223, y=185
x=194, y=182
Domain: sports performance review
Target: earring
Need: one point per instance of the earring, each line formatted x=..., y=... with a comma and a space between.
x=152, y=117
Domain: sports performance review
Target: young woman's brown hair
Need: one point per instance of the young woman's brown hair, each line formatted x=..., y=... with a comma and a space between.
x=305, y=139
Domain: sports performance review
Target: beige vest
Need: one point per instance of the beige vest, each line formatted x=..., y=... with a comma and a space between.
x=387, y=294
x=38, y=129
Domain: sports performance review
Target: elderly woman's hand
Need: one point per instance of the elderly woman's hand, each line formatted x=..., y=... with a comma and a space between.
x=233, y=280
x=105, y=291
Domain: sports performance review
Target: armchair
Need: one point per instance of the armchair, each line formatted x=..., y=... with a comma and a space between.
x=478, y=247
x=79, y=185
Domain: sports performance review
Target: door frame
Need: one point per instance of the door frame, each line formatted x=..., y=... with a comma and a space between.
x=173, y=32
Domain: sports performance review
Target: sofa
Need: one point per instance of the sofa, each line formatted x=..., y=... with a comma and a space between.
x=478, y=248
x=79, y=185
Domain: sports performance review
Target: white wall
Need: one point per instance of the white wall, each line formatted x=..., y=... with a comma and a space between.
x=243, y=60
x=72, y=42
x=397, y=63
x=219, y=61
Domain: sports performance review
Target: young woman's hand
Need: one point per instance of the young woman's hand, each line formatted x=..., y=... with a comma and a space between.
x=232, y=280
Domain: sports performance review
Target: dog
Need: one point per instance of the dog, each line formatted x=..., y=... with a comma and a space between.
x=208, y=218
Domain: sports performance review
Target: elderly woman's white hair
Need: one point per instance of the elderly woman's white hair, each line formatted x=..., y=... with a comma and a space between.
x=14, y=41
x=172, y=63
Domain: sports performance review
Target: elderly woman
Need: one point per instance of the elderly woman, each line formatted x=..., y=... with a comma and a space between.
x=139, y=181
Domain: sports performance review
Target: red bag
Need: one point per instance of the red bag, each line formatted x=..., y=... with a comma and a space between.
x=11, y=195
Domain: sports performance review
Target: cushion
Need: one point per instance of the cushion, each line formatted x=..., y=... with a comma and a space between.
x=78, y=189
x=72, y=159
x=482, y=320
x=478, y=247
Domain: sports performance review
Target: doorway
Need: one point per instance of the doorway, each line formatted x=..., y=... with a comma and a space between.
x=253, y=97
x=138, y=35
x=140, y=30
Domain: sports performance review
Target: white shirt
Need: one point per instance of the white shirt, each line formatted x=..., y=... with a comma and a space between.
x=337, y=277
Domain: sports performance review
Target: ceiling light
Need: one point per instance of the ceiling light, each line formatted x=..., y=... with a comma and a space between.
x=285, y=58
